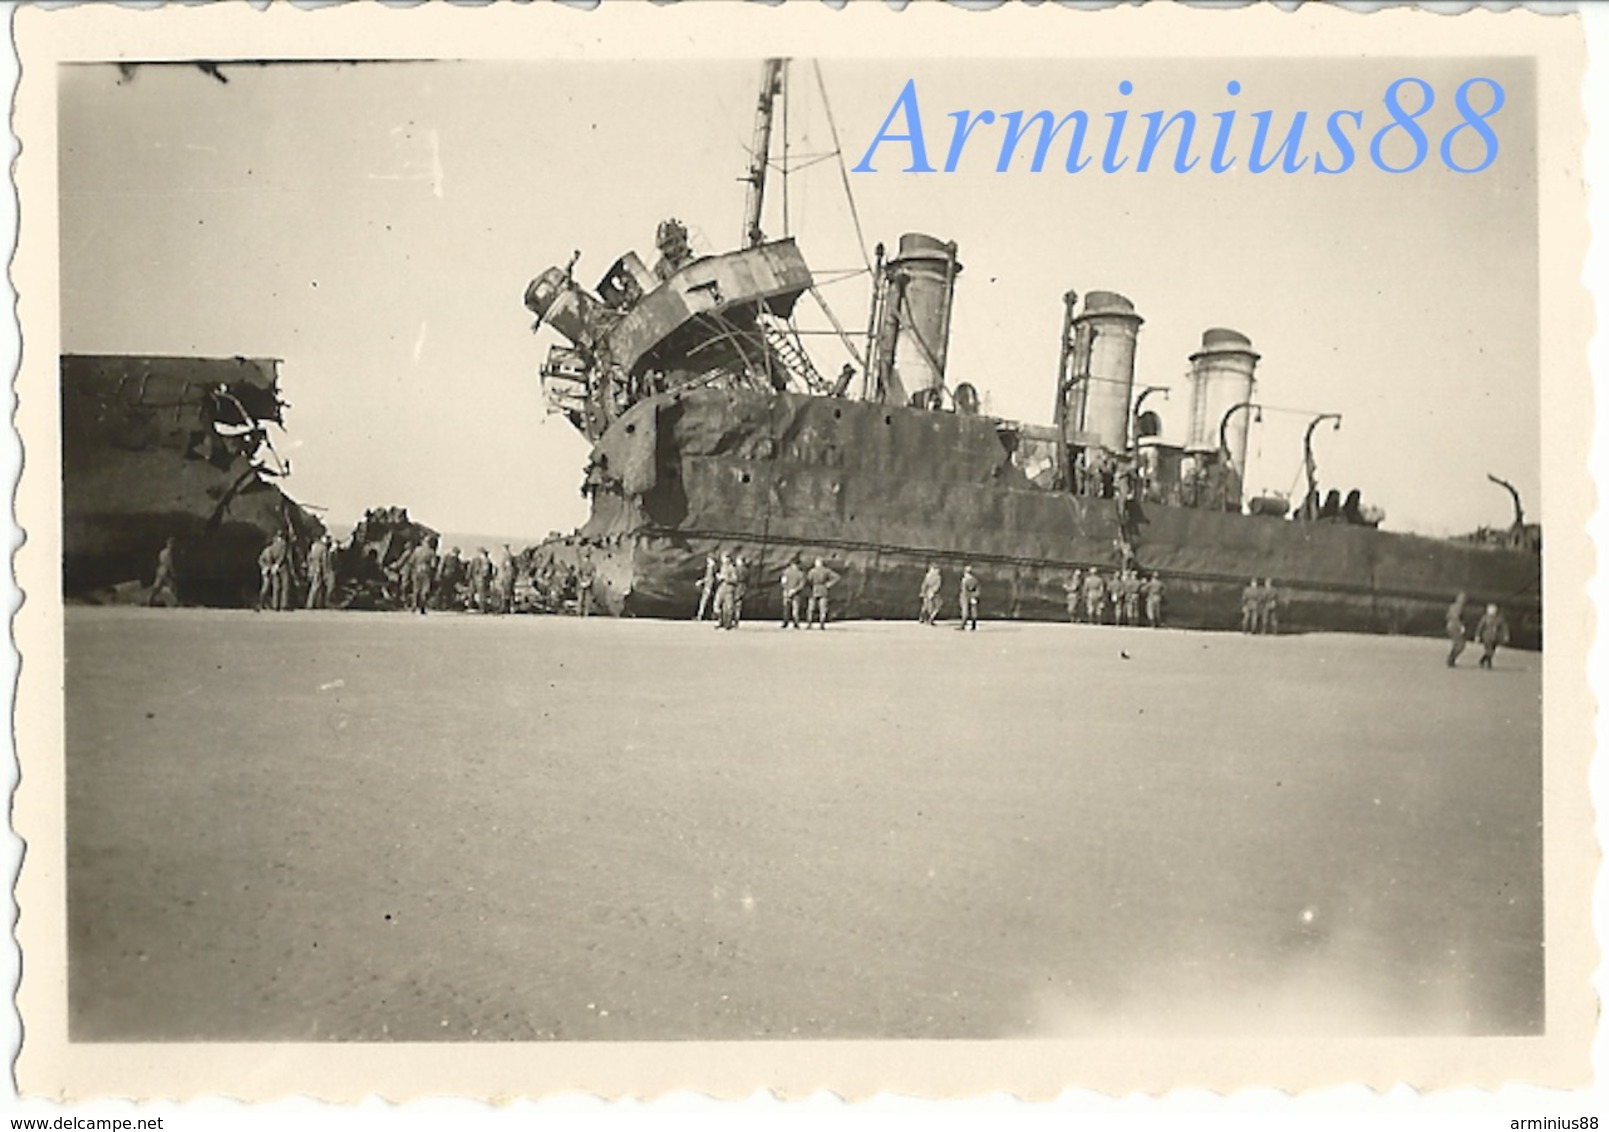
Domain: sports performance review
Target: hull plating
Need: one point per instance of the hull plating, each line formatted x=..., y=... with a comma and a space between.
x=880, y=491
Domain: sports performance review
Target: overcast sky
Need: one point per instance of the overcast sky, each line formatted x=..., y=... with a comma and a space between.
x=375, y=226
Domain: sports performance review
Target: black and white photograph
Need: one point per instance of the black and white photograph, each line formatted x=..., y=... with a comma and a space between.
x=816, y=542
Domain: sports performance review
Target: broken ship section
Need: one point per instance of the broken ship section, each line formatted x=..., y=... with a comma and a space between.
x=155, y=447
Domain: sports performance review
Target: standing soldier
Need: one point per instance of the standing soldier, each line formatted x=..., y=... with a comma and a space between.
x=422, y=570
x=932, y=583
x=480, y=580
x=1131, y=589
x=1268, y=612
x=449, y=573
x=821, y=580
x=706, y=588
x=329, y=570
x=1153, y=600
x=271, y=563
x=569, y=585
x=740, y=567
x=970, y=591
x=544, y=585
x=1251, y=600
x=1457, y=632
x=793, y=584
x=1074, y=589
x=505, y=580
x=1491, y=631
x=318, y=574
x=1094, y=597
x=726, y=594
x=587, y=575
x=166, y=584
x=404, y=574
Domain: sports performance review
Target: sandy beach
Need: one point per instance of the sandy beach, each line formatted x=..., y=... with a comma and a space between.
x=367, y=827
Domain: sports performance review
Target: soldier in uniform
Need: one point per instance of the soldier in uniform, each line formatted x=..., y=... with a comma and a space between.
x=1269, y=613
x=1131, y=597
x=932, y=583
x=1491, y=631
x=271, y=564
x=793, y=584
x=726, y=594
x=1094, y=597
x=1251, y=600
x=329, y=569
x=1153, y=600
x=1457, y=631
x=422, y=569
x=449, y=574
x=706, y=588
x=546, y=585
x=740, y=567
x=970, y=591
x=1074, y=589
x=821, y=580
x=480, y=581
x=318, y=574
x=1094, y=472
x=166, y=585
x=402, y=573
x=585, y=577
x=505, y=580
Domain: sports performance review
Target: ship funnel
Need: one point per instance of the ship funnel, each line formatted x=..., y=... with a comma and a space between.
x=1100, y=376
x=911, y=319
x=1222, y=375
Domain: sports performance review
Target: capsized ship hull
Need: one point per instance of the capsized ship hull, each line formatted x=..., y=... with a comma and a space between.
x=880, y=491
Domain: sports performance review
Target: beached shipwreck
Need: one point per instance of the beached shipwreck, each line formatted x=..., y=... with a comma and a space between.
x=713, y=431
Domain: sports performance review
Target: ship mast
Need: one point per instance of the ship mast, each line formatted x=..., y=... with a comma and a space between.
x=760, y=151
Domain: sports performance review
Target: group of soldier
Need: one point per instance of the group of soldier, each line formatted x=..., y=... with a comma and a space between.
x=725, y=583
x=968, y=592
x=1094, y=599
x=1491, y=631
x=483, y=584
x=276, y=573
x=806, y=594
x=425, y=579
x=418, y=580
x=1210, y=485
x=1259, y=607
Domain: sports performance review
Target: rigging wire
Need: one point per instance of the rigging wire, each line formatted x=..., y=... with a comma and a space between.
x=803, y=161
x=839, y=276
x=843, y=171
x=843, y=336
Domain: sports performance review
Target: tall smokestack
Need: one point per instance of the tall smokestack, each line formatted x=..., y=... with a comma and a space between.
x=1222, y=375
x=1105, y=337
x=916, y=291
